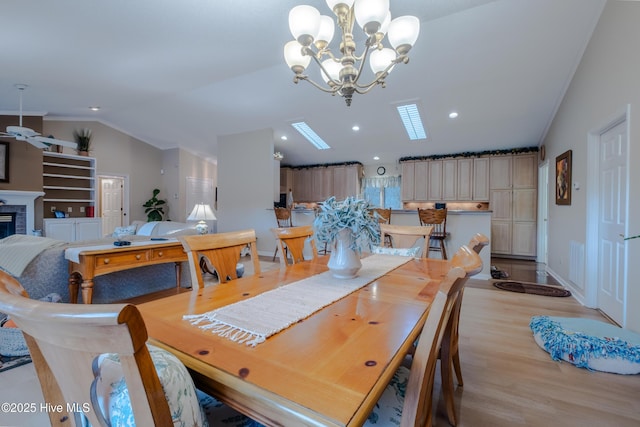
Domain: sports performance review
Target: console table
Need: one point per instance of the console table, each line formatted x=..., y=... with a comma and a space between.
x=86, y=263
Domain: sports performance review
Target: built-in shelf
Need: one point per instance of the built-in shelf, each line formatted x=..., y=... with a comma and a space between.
x=68, y=180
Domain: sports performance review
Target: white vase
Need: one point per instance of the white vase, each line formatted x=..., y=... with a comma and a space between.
x=344, y=262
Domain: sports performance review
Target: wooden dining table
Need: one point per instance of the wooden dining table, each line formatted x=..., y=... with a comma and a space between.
x=326, y=370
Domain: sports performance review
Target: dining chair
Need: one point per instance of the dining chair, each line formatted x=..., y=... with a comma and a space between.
x=94, y=361
x=291, y=240
x=437, y=218
x=406, y=236
x=283, y=219
x=449, y=351
x=413, y=403
x=222, y=251
x=384, y=217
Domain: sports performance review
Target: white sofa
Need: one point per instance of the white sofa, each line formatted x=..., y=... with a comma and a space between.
x=156, y=229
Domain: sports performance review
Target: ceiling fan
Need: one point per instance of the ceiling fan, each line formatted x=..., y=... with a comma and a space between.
x=21, y=133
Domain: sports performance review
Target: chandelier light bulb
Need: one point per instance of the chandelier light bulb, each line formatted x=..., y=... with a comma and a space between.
x=304, y=23
x=403, y=33
x=381, y=59
x=370, y=14
x=294, y=57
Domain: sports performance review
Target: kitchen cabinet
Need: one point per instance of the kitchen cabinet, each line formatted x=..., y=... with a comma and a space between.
x=481, y=189
x=420, y=181
x=286, y=180
x=408, y=181
x=449, y=179
x=434, y=183
x=317, y=184
x=513, y=182
x=73, y=229
x=464, y=176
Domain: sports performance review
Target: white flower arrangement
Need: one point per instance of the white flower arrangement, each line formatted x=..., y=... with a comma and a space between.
x=351, y=213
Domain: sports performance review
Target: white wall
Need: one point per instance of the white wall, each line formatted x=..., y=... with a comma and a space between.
x=245, y=185
x=605, y=82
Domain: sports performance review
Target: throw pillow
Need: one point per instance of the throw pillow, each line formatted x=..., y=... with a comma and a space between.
x=129, y=230
x=412, y=252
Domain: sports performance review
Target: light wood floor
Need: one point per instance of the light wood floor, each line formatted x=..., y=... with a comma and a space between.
x=508, y=379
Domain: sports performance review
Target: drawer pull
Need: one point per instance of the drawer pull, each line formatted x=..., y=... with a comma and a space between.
x=138, y=256
x=106, y=260
x=160, y=253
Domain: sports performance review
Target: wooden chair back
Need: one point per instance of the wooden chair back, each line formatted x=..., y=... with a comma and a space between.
x=283, y=217
x=478, y=241
x=222, y=250
x=291, y=240
x=405, y=236
x=417, y=409
x=384, y=215
x=467, y=258
x=65, y=341
x=437, y=218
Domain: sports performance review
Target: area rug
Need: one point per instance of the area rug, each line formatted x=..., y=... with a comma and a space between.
x=534, y=289
x=7, y=363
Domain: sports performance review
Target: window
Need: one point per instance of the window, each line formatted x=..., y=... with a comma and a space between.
x=382, y=192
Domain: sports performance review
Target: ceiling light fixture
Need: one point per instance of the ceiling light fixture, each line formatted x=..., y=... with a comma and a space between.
x=341, y=74
x=355, y=128
x=310, y=135
x=94, y=108
x=453, y=115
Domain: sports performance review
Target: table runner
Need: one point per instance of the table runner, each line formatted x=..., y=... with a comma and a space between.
x=253, y=320
x=73, y=254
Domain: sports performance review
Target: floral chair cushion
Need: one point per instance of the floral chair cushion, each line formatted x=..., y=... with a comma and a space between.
x=188, y=406
x=388, y=409
x=412, y=252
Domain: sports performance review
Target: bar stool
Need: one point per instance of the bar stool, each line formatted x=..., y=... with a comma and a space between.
x=384, y=217
x=437, y=218
x=283, y=219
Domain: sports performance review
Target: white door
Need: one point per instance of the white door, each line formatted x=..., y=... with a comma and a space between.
x=111, y=201
x=543, y=212
x=612, y=201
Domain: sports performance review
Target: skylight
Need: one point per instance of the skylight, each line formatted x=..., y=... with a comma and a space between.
x=311, y=136
x=411, y=120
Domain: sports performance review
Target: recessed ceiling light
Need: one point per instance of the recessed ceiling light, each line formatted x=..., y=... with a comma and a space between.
x=453, y=115
x=376, y=158
x=310, y=135
x=355, y=128
x=94, y=108
x=283, y=137
x=412, y=122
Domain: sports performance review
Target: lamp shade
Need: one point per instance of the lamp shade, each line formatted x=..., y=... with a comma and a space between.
x=294, y=57
x=304, y=23
x=381, y=59
x=370, y=14
x=201, y=212
x=404, y=31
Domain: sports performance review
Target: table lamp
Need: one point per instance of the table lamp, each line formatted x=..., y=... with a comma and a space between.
x=201, y=213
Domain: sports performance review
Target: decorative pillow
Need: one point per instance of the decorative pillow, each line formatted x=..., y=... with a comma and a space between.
x=147, y=229
x=412, y=252
x=588, y=343
x=388, y=409
x=124, y=231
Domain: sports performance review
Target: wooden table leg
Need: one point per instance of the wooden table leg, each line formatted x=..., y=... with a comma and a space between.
x=75, y=279
x=87, y=291
x=178, y=273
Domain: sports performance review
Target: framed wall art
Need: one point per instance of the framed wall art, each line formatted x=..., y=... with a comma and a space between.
x=563, y=178
x=4, y=162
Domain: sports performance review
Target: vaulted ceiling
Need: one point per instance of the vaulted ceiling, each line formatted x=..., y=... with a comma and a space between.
x=181, y=73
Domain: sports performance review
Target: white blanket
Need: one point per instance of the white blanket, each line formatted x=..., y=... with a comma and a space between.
x=253, y=320
x=18, y=250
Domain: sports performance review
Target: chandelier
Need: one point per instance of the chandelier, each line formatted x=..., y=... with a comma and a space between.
x=313, y=33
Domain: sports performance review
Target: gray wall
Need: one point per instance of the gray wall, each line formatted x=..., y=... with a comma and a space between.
x=605, y=82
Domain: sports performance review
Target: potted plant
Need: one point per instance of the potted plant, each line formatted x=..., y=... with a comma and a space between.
x=347, y=225
x=83, y=139
x=153, y=207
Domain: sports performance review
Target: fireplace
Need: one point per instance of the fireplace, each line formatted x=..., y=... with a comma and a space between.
x=20, y=206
